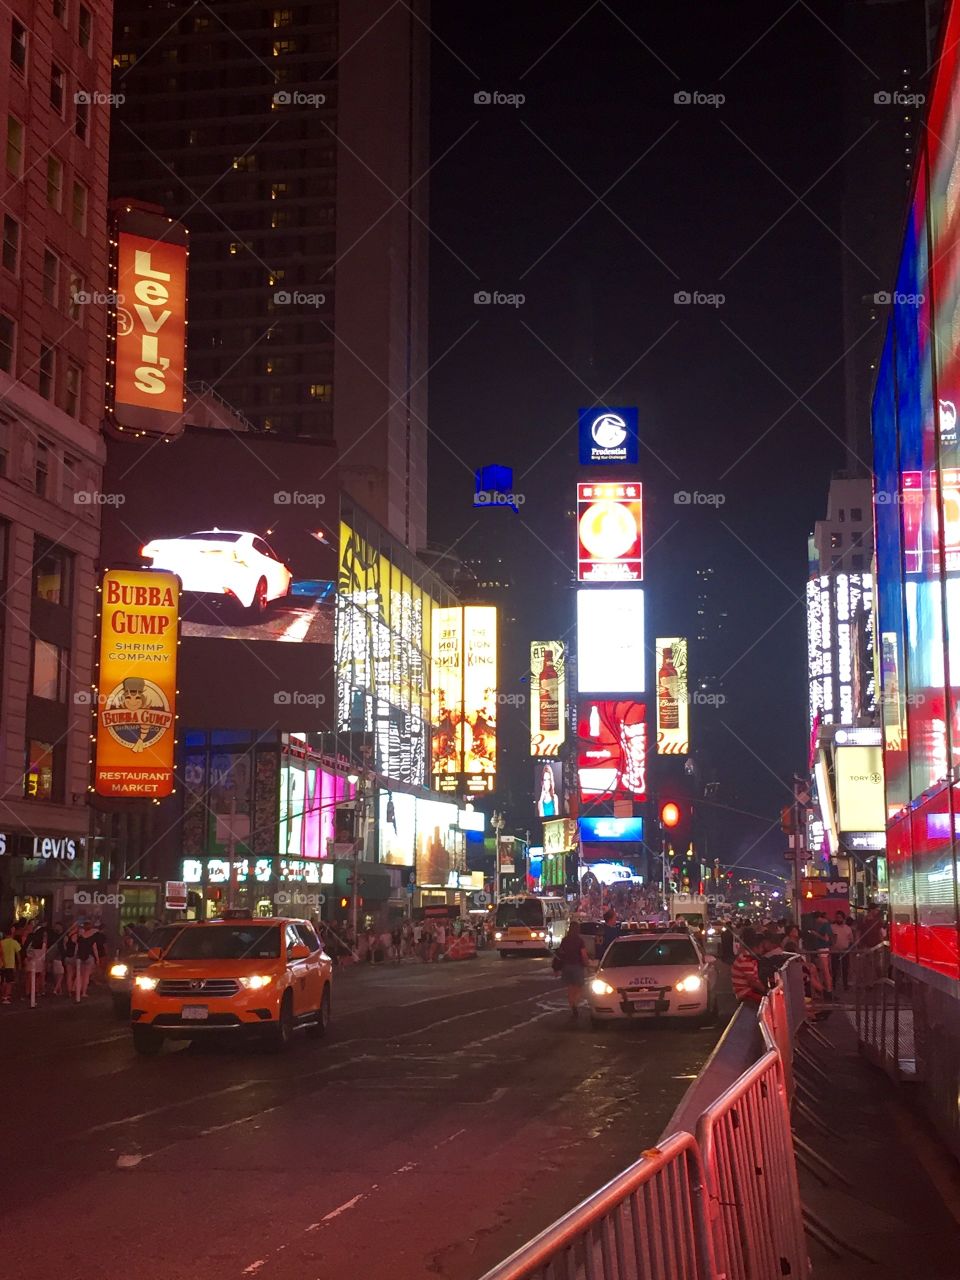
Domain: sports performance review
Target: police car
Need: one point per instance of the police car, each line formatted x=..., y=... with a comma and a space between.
x=652, y=976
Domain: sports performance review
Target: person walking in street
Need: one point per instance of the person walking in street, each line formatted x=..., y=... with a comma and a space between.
x=35, y=961
x=9, y=963
x=840, y=949
x=55, y=958
x=570, y=960
x=88, y=956
x=68, y=945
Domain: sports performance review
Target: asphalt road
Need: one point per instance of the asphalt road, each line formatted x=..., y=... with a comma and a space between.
x=453, y=1111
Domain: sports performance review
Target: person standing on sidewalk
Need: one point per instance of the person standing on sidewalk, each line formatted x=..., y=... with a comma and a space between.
x=68, y=945
x=88, y=956
x=840, y=949
x=9, y=962
x=745, y=974
x=35, y=960
x=55, y=958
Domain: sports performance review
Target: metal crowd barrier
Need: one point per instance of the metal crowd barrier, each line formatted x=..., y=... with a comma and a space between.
x=885, y=1013
x=716, y=1199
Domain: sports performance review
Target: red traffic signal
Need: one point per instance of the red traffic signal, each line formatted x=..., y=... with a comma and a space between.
x=670, y=814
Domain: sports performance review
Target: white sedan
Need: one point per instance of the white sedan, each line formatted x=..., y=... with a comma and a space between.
x=656, y=975
x=224, y=564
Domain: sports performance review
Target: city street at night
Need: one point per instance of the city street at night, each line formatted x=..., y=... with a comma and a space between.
x=452, y=1112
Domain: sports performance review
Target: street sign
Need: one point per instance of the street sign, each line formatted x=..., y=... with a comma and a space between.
x=411, y=889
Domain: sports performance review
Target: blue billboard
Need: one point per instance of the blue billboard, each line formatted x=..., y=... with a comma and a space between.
x=611, y=829
x=609, y=436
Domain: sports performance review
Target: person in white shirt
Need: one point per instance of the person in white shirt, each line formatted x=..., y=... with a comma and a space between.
x=840, y=949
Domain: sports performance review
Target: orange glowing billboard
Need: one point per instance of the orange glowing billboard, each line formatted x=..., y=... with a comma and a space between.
x=137, y=691
x=150, y=349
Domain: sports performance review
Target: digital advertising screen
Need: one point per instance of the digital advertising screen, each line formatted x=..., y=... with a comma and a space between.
x=609, y=436
x=609, y=532
x=612, y=744
x=615, y=830
x=859, y=787
x=422, y=834
x=480, y=693
x=548, y=697
x=673, y=697
x=309, y=796
x=227, y=514
x=548, y=789
x=610, y=648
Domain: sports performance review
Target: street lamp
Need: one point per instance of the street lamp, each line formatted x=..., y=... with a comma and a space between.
x=497, y=823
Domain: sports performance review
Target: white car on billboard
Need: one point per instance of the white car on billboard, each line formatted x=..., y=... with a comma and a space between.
x=224, y=564
x=653, y=975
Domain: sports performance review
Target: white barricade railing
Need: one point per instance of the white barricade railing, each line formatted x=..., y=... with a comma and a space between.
x=721, y=1203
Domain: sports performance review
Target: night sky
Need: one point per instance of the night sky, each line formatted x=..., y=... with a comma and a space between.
x=599, y=198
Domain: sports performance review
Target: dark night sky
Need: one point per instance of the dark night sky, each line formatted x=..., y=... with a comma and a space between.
x=693, y=205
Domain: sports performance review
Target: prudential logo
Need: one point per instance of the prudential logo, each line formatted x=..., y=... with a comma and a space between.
x=608, y=435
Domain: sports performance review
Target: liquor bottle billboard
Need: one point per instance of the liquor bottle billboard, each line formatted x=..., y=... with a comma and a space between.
x=548, y=697
x=673, y=697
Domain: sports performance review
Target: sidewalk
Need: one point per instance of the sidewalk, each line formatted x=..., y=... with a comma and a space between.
x=892, y=1198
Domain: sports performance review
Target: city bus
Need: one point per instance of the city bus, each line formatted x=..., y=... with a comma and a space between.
x=529, y=924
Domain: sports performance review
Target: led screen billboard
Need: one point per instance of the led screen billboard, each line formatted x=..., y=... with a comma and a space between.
x=548, y=697
x=548, y=789
x=609, y=532
x=464, y=686
x=609, y=435
x=423, y=834
x=225, y=513
x=137, y=684
x=612, y=743
x=859, y=782
x=673, y=697
x=610, y=653
x=610, y=829
x=149, y=351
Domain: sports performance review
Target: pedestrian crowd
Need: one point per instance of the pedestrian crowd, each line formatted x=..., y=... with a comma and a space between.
x=39, y=959
x=426, y=941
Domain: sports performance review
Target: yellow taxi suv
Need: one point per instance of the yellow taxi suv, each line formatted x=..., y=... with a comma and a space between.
x=246, y=977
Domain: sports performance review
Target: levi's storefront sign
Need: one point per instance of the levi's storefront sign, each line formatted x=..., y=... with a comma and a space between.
x=47, y=848
x=136, y=702
x=151, y=303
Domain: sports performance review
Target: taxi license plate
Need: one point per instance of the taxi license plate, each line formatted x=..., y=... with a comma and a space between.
x=194, y=1013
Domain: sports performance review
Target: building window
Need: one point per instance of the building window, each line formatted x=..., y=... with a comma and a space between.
x=857, y=563
x=85, y=28
x=78, y=208
x=41, y=470
x=39, y=778
x=60, y=11
x=51, y=276
x=74, y=290
x=46, y=370
x=836, y=540
x=51, y=572
x=278, y=189
x=282, y=47
x=81, y=118
x=54, y=183
x=320, y=390
x=245, y=164
x=18, y=46
x=11, y=244
x=856, y=514
x=282, y=17
x=15, y=144
x=8, y=343
x=841, y=515
x=124, y=61
x=50, y=666
x=71, y=396
x=201, y=23
x=57, y=85
x=71, y=477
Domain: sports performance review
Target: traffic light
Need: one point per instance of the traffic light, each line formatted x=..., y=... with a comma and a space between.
x=670, y=814
x=344, y=903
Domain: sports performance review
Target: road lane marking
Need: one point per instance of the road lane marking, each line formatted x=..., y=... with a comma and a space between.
x=347, y=1205
x=170, y=1106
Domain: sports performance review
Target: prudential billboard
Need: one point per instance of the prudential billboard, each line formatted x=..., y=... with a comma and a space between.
x=609, y=436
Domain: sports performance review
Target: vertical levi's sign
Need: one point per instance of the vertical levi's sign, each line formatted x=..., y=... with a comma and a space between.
x=151, y=332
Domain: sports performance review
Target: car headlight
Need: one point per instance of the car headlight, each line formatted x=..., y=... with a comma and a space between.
x=255, y=981
x=119, y=971
x=145, y=982
x=692, y=983
x=711, y=931
x=601, y=988
x=497, y=937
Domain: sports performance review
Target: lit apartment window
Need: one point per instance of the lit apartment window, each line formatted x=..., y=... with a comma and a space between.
x=78, y=208
x=278, y=189
x=320, y=390
x=50, y=664
x=280, y=218
x=18, y=46
x=51, y=276
x=74, y=288
x=15, y=144
x=836, y=540
x=245, y=164
x=282, y=17
x=71, y=390
x=41, y=470
x=8, y=343
x=282, y=47
x=11, y=244
x=46, y=368
x=52, y=572
x=235, y=247
x=81, y=118
x=124, y=61
x=40, y=780
x=54, y=183
x=57, y=85
x=60, y=11
x=85, y=29
x=201, y=23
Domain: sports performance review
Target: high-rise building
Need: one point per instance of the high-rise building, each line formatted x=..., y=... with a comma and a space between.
x=56, y=115
x=291, y=140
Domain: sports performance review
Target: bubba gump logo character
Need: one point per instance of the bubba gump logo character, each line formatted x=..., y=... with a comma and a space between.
x=137, y=713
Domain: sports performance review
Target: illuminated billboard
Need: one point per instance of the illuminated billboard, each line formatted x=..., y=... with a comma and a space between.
x=611, y=829
x=859, y=781
x=149, y=368
x=137, y=684
x=422, y=834
x=612, y=743
x=548, y=697
x=834, y=602
x=609, y=435
x=464, y=688
x=548, y=789
x=609, y=532
x=673, y=697
x=610, y=655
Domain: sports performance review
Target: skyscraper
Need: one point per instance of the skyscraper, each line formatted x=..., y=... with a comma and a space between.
x=291, y=140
